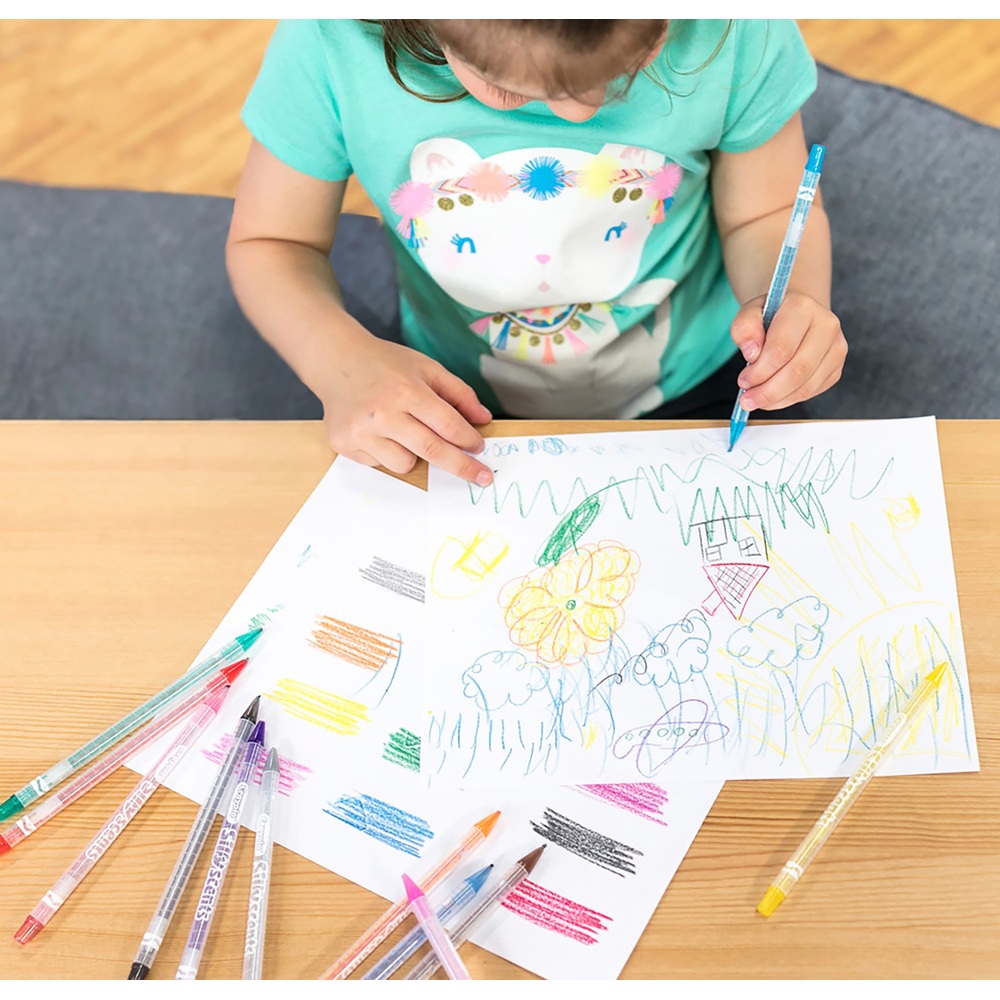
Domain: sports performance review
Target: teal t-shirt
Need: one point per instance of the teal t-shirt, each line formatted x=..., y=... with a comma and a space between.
x=563, y=270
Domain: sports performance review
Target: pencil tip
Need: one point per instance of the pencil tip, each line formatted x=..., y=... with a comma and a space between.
x=232, y=670
x=249, y=638
x=485, y=825
x=476, y=880
x=771, y=900
x=251, y=711
x=4, y=846
x=937, y=674
x=10, y=806
x=413, y=891
x=138, y=971
x=529, y=861
x=27, y=930
x=257, y=736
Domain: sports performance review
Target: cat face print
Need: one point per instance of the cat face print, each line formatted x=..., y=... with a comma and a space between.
x=534, y=227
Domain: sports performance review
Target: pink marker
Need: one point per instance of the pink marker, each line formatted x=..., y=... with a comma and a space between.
x=443, y=946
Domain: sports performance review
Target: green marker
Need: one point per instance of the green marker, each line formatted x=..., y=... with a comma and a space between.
x=58, y=772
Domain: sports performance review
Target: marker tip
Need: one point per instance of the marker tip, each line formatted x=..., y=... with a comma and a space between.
x=138, y=971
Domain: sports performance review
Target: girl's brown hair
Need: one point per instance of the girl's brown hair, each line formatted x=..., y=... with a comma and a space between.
x=598, y=48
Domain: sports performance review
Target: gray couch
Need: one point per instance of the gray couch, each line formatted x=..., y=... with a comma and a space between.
x=116, y=304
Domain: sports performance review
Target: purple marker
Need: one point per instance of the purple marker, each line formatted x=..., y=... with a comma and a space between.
x=205, y=910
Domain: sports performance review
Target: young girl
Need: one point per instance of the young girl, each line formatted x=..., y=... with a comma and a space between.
x=585, y=214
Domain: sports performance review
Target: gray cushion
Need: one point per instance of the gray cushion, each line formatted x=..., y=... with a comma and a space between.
x=911, y=192
x=116, y=304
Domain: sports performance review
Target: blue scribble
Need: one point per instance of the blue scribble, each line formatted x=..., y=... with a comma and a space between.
x=781, y=636
x=396, y=828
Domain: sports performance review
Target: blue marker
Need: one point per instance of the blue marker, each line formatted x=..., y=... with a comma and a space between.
x=779, y=280
x=416, y=937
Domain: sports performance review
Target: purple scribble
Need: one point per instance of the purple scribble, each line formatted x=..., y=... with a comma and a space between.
x=679, y=728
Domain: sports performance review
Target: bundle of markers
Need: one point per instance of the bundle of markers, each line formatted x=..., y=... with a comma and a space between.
x=466, y=908
x=189, y=704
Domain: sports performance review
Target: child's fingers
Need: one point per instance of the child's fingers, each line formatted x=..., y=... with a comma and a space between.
x=813, y=387
x=362, y=458
x=800, y=368
x=784, y=341
x=747, y=329
x=422, y=441
x=386, y=453
x=461, y=396
x=445, y=420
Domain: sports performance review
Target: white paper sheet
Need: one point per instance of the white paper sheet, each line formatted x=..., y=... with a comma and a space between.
x=646, y=605
x=343, y=669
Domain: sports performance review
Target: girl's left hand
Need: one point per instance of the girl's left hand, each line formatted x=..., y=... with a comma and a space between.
x=801, y=356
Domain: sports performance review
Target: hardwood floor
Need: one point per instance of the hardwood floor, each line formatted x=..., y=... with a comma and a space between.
x=154, y=105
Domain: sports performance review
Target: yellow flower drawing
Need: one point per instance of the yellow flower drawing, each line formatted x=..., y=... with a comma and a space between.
x=568, y=610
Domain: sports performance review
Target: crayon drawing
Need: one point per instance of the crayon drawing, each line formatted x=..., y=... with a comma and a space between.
x=667, y=610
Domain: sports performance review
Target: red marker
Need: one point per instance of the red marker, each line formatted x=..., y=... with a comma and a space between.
x=96, y=773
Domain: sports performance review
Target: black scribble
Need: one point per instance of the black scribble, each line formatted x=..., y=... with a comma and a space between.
x=404, y=582
x=605, y=852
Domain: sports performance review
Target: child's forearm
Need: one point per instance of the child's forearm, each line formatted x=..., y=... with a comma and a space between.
x=751, y=251
x=289, y=293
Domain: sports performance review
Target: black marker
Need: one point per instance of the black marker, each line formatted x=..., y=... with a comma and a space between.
x=185, y=863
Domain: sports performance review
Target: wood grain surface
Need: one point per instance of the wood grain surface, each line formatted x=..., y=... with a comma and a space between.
x=154, y=105
x=124, y=544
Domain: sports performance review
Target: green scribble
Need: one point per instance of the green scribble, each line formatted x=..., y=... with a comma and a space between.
x=573, y=526
x=569, y=531
x=772, y=484
x=403, y=748
x=263, y=617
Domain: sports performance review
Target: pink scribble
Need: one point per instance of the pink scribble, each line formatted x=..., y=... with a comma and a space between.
x=639, y=798
x=291, y=775
x=553, y=912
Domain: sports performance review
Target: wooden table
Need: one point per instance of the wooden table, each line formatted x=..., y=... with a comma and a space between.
x=122, y=545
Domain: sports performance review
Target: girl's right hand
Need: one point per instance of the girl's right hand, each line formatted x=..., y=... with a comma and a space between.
x=385, y=404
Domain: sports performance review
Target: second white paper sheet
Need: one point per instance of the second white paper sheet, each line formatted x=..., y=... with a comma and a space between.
x=342, y=669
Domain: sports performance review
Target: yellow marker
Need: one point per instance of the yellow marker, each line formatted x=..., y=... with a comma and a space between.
x=847, y=795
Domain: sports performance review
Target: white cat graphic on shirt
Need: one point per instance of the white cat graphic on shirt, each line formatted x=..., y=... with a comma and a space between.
x=547, y=242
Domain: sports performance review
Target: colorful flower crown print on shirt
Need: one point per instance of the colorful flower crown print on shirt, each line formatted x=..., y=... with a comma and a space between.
x=546, y=242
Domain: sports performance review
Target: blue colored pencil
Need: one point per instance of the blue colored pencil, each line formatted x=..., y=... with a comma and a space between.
x=782, y=270
x=412, y=942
